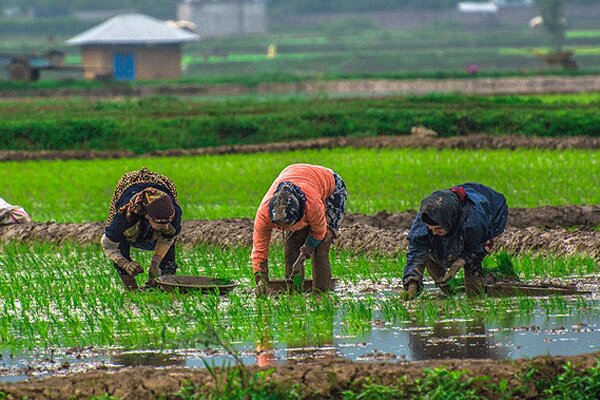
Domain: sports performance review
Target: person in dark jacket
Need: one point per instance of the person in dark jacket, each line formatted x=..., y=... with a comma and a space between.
x=454, y=228
x=144, y=214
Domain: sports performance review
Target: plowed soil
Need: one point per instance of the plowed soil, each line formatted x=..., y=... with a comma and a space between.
x=530, y=230
x=324, y=379
x=379, y=142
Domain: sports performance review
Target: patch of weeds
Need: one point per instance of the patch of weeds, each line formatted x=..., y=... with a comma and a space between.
x=574, y=384
x=232, y=383
x=505, y=392
x=439, y=383
x=436, y=384
x=373, y=391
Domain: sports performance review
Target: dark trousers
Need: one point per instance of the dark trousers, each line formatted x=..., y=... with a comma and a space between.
x=321, y=272
x=168, y=266
x=473, y=274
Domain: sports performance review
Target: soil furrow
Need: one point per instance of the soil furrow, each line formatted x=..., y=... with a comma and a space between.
x=354, y=236
x=481, y=141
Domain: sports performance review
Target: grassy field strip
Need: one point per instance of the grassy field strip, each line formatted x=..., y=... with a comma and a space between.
x=69, y=296
x=579, y=51
x=162, y=122
x=214, y=187
x=584, y=33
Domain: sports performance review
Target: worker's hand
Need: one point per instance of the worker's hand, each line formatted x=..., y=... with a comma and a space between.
x=307, y=251
x=132, y=267
x=411, y=291
x=454, y=268
x=153, y=272
x=262, y=283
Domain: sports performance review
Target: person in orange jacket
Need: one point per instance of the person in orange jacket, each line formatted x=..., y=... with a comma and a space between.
x=309, y=202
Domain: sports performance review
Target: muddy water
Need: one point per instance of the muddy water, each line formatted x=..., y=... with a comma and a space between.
x=566, y=330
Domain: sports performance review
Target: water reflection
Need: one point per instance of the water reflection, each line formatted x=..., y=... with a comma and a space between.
x=147, y=359
x=454, y=339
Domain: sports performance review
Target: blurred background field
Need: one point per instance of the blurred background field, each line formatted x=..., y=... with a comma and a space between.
x=330, y=40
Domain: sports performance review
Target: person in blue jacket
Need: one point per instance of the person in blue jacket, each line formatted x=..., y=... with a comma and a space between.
x=454, y=228
x=144, y=214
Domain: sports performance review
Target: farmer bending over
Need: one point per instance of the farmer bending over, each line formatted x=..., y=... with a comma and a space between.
x=307, y=201
x=454, y=228
x=144, y=213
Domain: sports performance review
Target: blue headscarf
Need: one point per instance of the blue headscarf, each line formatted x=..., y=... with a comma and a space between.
x=287, y=204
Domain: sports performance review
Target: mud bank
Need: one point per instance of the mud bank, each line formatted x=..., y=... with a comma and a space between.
x=544, y=217
x=340, y=375
x=357, y=237
x=365, y=87
x=380, y=142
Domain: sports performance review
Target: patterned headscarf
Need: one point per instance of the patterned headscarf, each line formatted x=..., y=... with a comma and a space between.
x=152, y=202
x=287, y=204
x=443, y=208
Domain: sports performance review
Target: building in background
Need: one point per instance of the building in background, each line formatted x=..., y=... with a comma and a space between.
x=132, y=46
x=224, y=17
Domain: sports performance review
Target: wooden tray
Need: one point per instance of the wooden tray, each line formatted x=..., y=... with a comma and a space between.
x=187, y=283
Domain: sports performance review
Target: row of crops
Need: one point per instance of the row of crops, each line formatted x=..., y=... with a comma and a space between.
x=147, y=124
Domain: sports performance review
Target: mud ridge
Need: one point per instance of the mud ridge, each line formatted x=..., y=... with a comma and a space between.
x=546, y=217
x=482, y=141
x=150, y=383
x=356, y=237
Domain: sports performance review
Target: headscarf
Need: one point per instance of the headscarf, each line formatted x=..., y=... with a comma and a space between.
x=443, y=208
x=152, y=202
x=287, y=204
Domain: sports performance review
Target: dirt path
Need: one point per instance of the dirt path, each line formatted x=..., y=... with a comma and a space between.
x=379, y=142
x=324, y=379
x=363, y=87
x=383, y=233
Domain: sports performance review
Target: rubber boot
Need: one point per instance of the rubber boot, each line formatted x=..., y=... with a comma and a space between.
x=321, y=265
x=437, y=272
x=291, y=250
x=129, y=281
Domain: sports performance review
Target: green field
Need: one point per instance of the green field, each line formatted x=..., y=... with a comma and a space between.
x=212, y=187
x=156, y=123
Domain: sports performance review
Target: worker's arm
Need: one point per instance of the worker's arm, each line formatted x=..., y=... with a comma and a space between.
x=418, y=251
x=160, y=251
x=315, y=215
x=476, y=237
x=111, y=249
x=261, y=238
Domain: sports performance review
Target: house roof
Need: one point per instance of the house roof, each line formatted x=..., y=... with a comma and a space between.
x=133, y=29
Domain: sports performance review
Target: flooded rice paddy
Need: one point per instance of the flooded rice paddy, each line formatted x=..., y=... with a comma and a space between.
x=365, y=328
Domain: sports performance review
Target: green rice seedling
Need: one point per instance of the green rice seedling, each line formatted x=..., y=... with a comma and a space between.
x=73, y=298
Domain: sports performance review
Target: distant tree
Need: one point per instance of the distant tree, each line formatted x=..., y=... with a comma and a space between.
x=552, y=13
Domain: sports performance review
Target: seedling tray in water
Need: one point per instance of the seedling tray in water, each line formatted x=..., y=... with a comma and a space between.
x=186, y=283
x=280, y=285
